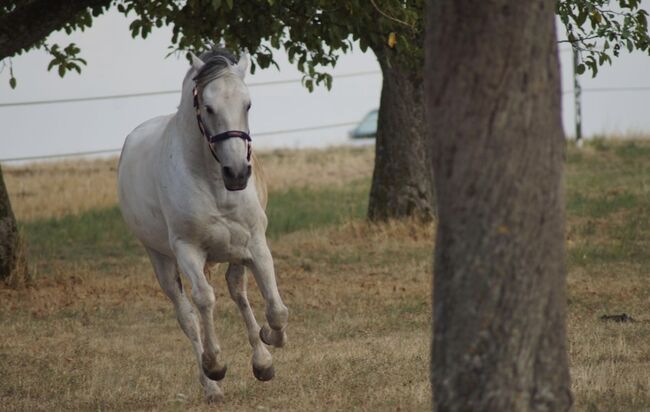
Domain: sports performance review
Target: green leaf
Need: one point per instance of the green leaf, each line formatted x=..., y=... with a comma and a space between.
x=580, y=69
x=61, y=70
x=229, y=3
x=12, y=82
x=630, y=45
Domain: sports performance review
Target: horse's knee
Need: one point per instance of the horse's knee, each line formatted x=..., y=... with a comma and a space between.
x=204, y=297
x=277, y=316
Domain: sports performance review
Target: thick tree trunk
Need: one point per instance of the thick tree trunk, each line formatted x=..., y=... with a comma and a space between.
x=493, y=100
x=402, y=184
x=8, y=234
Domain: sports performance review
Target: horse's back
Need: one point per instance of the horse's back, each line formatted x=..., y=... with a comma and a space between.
x=137, y=183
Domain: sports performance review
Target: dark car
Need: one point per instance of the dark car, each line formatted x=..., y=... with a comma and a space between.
x=367, y=128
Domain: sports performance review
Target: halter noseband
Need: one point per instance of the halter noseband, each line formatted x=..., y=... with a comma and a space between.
x=219, y=137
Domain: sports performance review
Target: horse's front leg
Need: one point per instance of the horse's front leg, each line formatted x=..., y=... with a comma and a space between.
x=191, y=261
x=261, y=264
x=262, y=360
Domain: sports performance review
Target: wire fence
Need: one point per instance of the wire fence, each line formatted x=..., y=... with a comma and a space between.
x=166, y=92
x=254, y=84
x=116, y=150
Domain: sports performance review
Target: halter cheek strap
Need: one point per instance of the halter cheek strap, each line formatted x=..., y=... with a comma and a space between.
x=220, y=137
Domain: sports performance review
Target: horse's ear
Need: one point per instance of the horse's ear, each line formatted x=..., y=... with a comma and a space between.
x=242, y=65
x=196, y=62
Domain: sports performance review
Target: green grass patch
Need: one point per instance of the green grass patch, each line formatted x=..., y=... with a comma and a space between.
x=608, y=203
x=600, y=205
x=302, y=208
x=95, y=234
x=100, y=235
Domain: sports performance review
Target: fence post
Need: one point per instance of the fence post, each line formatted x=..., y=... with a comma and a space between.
x=577, y=92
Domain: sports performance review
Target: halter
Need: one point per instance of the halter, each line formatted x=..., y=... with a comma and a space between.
x=219, y=137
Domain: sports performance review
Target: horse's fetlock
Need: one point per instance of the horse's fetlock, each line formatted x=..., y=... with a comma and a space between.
x=277, y=316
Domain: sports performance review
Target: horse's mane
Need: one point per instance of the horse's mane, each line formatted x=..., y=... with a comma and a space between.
x=218, y=62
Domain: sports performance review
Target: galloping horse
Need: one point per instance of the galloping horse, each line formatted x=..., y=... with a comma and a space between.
x=185, y=192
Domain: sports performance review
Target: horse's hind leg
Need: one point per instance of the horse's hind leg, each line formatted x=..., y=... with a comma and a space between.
x=277, y=314
x=262, y=360
x=165, y=268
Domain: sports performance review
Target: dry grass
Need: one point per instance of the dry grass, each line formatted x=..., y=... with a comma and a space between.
x=51, y=190
x=94, y=331
x=83, y=339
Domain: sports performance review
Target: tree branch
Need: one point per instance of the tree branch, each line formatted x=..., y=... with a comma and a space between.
x=579, y=39
x=33, y=21
x=389, y=16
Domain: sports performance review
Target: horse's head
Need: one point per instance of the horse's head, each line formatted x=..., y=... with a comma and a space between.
x=222, y=103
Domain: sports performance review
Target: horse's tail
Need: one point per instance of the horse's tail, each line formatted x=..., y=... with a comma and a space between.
x=260, y=181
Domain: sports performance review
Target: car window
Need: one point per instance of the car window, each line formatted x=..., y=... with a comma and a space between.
x=368, y=125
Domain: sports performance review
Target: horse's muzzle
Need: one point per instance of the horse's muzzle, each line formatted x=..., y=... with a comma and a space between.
x=236, y=180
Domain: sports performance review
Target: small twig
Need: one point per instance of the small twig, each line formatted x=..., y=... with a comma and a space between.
x=580, y=39
x=389, y=16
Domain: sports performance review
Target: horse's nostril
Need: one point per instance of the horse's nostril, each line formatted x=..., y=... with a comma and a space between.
x=228, y=173
x=249, y=170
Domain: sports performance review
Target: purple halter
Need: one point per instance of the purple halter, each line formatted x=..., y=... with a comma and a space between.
x=220, y=136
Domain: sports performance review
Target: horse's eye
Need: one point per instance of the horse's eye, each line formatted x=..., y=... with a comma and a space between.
x=209, y=109
x=248, y=107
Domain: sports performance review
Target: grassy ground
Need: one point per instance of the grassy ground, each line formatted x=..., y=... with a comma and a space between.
x=94, y=331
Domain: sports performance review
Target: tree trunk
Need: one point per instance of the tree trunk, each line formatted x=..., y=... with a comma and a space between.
x=402, y=184
x=8, y=234
x=494, y=120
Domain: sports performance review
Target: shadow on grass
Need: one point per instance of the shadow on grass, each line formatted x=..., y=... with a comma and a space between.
x=101, y=235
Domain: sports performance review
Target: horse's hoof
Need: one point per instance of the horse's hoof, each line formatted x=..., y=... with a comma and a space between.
x=213, y=398
x=272, y=337
x=264, y=335
x=216, y=374
x=264, y=374
x=211, y=367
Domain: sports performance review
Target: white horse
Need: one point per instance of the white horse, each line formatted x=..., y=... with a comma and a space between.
x=186, y=195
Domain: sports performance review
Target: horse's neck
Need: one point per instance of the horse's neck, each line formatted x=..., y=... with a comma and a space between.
x=190, y=141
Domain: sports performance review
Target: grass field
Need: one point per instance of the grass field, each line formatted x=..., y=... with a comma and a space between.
x=94, y=331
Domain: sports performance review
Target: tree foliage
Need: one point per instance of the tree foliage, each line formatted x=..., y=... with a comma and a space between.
x=26, y=24
x=313, y=33
x=600, y=29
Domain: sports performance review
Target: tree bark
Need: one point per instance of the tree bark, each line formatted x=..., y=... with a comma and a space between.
x=8, y=233
x=402, y=184
x=494, y=120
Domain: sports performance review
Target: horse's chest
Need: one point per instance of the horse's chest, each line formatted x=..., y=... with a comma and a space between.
x=226, y=242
